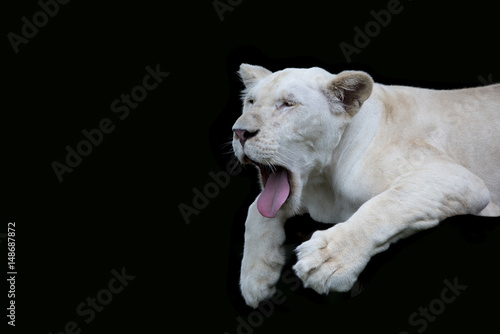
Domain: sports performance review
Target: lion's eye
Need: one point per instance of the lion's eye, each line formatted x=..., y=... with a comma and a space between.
x=286, y=104
x=250, y=101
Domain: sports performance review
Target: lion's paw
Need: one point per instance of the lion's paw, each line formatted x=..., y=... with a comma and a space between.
x=332, y=259
x=257, y=282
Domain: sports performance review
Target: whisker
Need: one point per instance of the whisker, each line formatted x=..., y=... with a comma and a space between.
x=272, y=167
x=224, y=146
x=230, y=151
x=288, y=157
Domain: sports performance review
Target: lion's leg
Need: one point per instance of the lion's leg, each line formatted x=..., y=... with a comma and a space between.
x=263, y=256
x=417, y=200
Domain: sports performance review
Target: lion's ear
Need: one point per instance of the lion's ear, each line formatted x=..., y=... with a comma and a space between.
x=251, y=74
x=352, y=88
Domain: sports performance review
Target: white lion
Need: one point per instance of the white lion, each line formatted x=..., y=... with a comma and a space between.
x=386, y=161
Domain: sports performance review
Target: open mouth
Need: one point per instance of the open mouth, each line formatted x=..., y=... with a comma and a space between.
x=276, y=189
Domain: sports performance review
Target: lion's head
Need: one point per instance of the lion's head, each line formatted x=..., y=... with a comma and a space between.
x=292, y=122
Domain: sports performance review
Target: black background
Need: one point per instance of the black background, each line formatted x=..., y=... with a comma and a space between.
x=119, y=207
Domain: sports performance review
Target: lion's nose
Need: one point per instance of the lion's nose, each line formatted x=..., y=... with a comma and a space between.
x=244, y=135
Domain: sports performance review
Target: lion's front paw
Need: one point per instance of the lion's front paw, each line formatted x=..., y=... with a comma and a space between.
x=332, y=259
x=257, y=281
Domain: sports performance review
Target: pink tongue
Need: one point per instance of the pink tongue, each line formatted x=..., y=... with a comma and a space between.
x=275, y=193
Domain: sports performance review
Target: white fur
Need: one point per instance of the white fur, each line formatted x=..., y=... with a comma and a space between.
x=387, y=161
